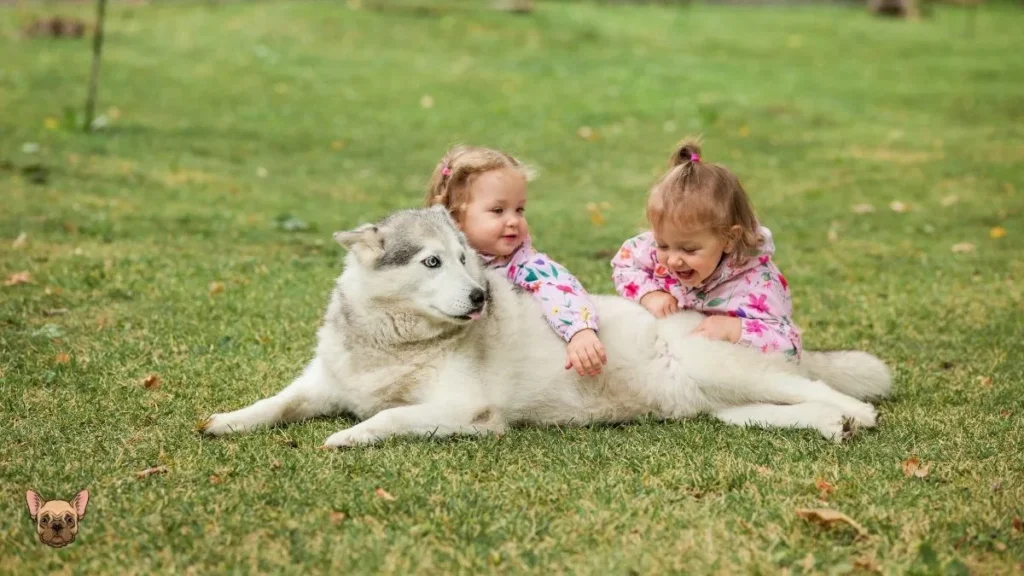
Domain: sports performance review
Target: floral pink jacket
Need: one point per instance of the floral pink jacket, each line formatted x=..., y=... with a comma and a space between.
x=756, y=292
x=565, y=303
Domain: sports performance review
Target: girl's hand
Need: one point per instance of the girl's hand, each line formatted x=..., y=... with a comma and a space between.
x=660, y=303
x=718, y=327
x=585, y=353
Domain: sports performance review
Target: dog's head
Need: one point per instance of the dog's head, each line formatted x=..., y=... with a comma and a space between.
x=417, y=261
x=57, y=520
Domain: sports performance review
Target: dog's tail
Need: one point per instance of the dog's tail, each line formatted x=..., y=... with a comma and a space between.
x=858, y=374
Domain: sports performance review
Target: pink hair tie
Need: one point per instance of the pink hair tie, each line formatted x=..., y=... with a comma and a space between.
x=695, y=158
x=445, y=169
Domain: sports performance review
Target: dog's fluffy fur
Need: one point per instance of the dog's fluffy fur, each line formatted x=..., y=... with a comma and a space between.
x=402, y=348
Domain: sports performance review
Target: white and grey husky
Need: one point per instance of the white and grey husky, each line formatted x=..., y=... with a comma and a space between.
x=420, y=339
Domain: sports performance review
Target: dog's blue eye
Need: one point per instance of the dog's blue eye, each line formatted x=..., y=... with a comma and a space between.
x=432, y=262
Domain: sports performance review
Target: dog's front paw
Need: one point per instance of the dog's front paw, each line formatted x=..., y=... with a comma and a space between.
x=863, y=414
x=351, y=437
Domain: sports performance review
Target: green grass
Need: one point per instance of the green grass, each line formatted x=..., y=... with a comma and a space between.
x=816, y=108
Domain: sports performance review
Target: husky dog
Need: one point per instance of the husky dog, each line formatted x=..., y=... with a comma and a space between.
x=420, y=339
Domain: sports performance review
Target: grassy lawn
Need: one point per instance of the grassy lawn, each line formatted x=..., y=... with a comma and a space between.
x=190, y=239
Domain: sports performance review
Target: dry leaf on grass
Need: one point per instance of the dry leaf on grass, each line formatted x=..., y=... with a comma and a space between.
x=151, y=382
x=215, y=288
x=898, y=207
x=1018, y=524
x=829, y=517
x=596, y=217
x=20, y=241
x=869, y=564
x=985, y=381
x=214, y=479
x=824, y=488
x=150, y=471
x=62, y=358
x=275, y=464
x=863, y=208
x=763, y=470
x=912, y=467
x=963, y=248
x=338, y=517
x=18, y=278
x=384, y=495
x=997, y=232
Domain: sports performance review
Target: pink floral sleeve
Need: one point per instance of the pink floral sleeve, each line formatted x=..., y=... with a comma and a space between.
x=566, y=305
x=633, y=268
x=765, y=310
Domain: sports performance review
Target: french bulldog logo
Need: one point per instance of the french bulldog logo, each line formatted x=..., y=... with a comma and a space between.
x=57, y=520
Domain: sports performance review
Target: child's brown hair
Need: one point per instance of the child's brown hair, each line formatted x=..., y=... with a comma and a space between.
x=450, y=184
x=695, y=194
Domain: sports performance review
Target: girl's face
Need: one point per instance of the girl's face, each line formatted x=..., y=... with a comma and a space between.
x=494, y=221
x=692, y=255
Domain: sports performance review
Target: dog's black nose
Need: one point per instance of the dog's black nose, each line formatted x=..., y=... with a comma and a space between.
x=56, y=526
x=477, y=297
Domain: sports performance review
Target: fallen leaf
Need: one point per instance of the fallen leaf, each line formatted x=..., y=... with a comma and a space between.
x=337, y=517
x=150, y=471
x=863, y=209
x=62, y=358
x=275, y=464
x=833, y=231
x=1005, y=413
x=1018, y=524
x=808, y=562
x=596, y=217
x=963, y=248
x=897, y=206
x=587, y=133
x=427, y=102
x=865, y=563
x=384, y=495
x=151, y=382
x=18, y=278
x=985, y=381
x=763, y=470
x=997, y=232
x=1000, y=546
x=912, y=467
x=20, y=241
x=214, y=479
x=824, y=488
x=997, y=486
x=215, y=288
x=948, y=201
x=828, y=517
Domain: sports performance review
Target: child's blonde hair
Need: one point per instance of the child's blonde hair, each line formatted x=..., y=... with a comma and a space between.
x=694, y=194
x=450, y=184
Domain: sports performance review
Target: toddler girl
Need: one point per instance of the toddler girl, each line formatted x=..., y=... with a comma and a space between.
x=485, y=192
x=705, y=251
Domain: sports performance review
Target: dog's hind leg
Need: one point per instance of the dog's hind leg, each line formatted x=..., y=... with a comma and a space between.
x=434, y=419
x=727, y=382
x=825, y=418
x=307, y=396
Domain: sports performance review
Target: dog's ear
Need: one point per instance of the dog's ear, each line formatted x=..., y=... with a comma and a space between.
x=80, y=501
x=366, y=242
x=35, y=502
